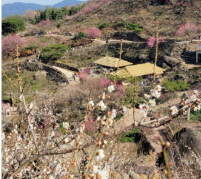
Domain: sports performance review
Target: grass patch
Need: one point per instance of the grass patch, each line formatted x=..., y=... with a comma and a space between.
x=132, y=136
x=61, y=128
x=177, y=85
x=196, y=115
x=118, y=117
x=30, y=85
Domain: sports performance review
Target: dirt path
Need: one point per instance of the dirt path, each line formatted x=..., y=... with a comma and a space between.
x=68, y=74
x=99, y=41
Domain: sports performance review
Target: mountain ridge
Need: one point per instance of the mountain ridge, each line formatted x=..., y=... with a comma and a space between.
x=20, y=8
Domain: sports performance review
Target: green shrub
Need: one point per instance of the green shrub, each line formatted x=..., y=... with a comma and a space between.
x=103, y=25
x=131, y=136
x=75, y=9
x=137, y=28
x=121, y=24
x=31, y=47
x=53, y=52
x=80, y=35
x=13, y=24
x=177, y=85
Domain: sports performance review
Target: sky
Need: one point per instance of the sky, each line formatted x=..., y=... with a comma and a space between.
x=42, y=2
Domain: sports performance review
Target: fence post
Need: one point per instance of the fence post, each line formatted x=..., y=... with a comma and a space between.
x=188, y=114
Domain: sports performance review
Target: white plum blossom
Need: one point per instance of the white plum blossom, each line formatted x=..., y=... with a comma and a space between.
x=195, y=108
x=173, y=110
x=99, y=155
x=66, y=125
x=66, y=140
x=195, y=92
x=91, y=104
x=81, y=129
x=109, y=122
x=102, y=105
x=7, y=111
x=199, y=106
x=102, y=174
x=31, y=106
x=98, y=118
x=158, y=87
x=110, y=88
x=114, y=113
x=105, y=142
x=193, y=98
x=58, y=168
x=143, y=106
x=152, y=102
x=124, y=110
x=94, y=169
x=52, y=134
x=2, y=136
x=187, y=101
x=71, y=176
x=143, y=113
x=155, y=93
x=144, y=109
x=103, y=95
x=21, y=97
x=147, y=96
x=51, y=177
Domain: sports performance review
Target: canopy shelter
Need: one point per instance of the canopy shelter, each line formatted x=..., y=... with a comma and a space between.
x=112, y=62
x=138, y=70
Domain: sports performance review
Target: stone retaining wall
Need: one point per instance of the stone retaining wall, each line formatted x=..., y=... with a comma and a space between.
x=52, y=73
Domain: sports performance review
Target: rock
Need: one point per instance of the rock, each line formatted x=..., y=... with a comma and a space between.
x=171, y=60
x=143, y=57
x=125, y=176
x=39, y=75
x=143, y=176
x=116, y=175
x=133, y=175
x=179, y=77
x=188, y=140
x=155, y=176
x=164, y=65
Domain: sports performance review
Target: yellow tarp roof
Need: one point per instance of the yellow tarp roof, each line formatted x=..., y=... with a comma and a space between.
x=138, y=70
x=112, y=62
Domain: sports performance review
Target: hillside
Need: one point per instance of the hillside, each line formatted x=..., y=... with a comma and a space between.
x=110, y=89
x=145, y=13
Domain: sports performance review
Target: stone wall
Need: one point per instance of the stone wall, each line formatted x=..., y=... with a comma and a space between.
x=52, y=73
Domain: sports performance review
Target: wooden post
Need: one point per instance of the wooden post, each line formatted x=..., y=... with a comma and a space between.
x=156, y=55
x=189, y=114
x=120, y=54
x=134, y=95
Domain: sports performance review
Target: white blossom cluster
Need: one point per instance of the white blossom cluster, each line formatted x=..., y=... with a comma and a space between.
x=43, y=133
x=97, y=173
x=193, y=102
x=18, y=145
x=154, y=94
